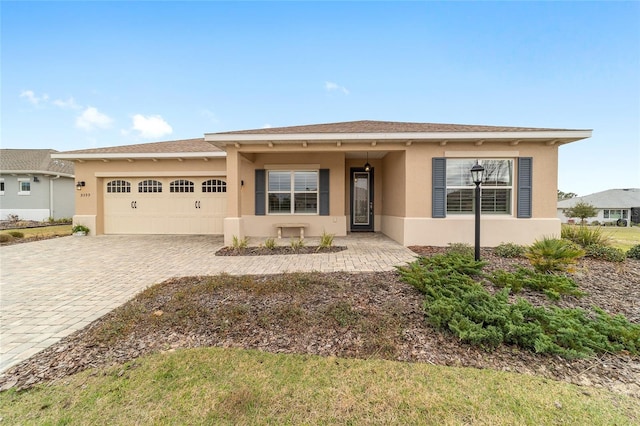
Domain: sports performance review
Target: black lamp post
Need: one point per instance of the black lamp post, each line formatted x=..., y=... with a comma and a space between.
x=476, y=174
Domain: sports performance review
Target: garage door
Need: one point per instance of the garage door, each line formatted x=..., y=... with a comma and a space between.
x=176, y=205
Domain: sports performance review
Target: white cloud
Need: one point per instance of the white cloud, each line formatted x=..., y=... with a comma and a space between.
x=267, y=126
x=152, y=126
x=69, y=103
x=91, y=118
x=331, y=86
x=32, y=98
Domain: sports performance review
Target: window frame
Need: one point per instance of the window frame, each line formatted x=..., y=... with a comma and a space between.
x=470, y=186
x=118, y=186
x=150, y=186
x=182, y=186
x=214, y=186
x=292, y=192
x=1, y=186
x=22, y=181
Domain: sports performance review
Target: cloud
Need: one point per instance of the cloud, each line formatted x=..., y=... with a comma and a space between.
x=267, y=126
x=69, y=103
x=91, y=118
x=32, y=98
x=152, y=126
x=331, y=86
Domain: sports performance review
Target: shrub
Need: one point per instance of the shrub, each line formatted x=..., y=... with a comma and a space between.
x=461, y=248
x=634, y=252
x=297, y=244
x=16, y=234
x=5, y=238
x=611, y=254
x=595, y=223
x=80, y=228
x=239, y=243
x=326, y=241
x=553, y=255
x=584, y=236
x=509, y=250
x=13, y=217
x=550, y=284
x=270, y=243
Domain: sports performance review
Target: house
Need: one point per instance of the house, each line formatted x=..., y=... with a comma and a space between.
x=621, y=206
x=34, y=186
x=409, y=181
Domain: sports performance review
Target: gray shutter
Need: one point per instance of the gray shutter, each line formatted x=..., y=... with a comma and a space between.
x=324, y=192
x=439, y=187
x=525, y=173
x=260, y=192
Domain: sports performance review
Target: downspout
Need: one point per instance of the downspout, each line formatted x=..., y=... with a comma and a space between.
x=51, y=195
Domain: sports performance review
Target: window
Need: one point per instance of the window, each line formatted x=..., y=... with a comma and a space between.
x=150, y=185
x=496, y=189
x=214, y=185
x=118, y=186
x=1, y=186
x=24, y=186
x=615, y=214
x=292, y=192
x=181, y=186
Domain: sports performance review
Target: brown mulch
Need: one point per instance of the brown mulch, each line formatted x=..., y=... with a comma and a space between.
x=264, y=251
x=339, y=314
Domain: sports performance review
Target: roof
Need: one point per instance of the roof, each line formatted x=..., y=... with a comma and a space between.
x=184, y=145
x=34, y=161
x=369, y=126
x=612, y=198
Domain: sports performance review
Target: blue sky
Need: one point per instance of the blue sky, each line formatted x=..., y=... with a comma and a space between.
x=80, y=75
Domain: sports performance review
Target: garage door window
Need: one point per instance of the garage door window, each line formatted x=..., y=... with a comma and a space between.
x=214, y=185
x=118, y=186
x=181, y=186
x=150, y=186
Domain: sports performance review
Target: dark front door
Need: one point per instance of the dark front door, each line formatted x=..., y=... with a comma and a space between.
x=361, y=200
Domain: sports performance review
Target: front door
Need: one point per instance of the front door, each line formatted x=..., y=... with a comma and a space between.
x=361, y=200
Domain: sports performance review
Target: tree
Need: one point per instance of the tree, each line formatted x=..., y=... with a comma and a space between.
x=582, y=210
x=566, y=195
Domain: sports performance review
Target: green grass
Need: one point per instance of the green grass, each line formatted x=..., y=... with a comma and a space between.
x=232, y=386
x=623, y=237
x=44, y=232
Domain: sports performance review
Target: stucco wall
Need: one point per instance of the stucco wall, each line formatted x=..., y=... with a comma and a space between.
x=41, y=202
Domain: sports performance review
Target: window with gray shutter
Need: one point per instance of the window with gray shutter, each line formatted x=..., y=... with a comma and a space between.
x=525, y=178
x=324, y=192
x=260, y=192
x=439, y=188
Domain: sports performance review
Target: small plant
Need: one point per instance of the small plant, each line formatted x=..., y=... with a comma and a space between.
x=584, y=236
x=634, y=252
x=16, y=234
x=551, y=255
x=510, y=250
x=460, y=248
x=270, y=243
x=611, y=254
x=5, y=238
x=80, y=229
x=326, y=241
x=239, y=243
x=595, y=223
x=297, y=244
x=554, y=286
x=13, y=217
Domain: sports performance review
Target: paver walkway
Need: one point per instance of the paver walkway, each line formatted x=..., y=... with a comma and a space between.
x=51, y=288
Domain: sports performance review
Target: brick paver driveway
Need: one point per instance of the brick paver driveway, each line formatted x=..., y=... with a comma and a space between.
x=51, y=288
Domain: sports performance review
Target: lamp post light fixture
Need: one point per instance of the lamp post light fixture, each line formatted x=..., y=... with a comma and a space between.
x=477, y=172
x=80, y=185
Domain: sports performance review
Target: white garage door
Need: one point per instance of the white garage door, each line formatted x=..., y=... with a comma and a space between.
x=174, y=205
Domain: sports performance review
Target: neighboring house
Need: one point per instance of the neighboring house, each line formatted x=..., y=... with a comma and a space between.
x=613, y=205
x=35, y=186
x=417, y=189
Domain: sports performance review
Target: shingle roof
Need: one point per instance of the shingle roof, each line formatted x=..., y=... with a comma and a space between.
x=34, y=160
x=611, y=198
x=185, y=145
x=368, y=126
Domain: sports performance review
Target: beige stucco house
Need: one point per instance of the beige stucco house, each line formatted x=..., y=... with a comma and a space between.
x=417, y=188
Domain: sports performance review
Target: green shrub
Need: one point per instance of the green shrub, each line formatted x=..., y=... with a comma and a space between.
x=297, y=244
x=611, y=254
x=634, y=252
x=455, y=302
x=326, y=241
x=461, y=248
x=5, y=238
x=595, y=223
x=80, y=228
x=552, y=285
x=509, y=250
x=16, y=234
x=270, y=243
x=553, y=255
x=239, y=243
x=585, y=236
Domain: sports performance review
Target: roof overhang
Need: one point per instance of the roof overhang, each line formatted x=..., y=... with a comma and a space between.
x=552, y=137
x=139, y=156
x=37, y=172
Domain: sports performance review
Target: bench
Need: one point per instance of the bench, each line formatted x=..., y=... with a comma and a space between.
x=301, y=226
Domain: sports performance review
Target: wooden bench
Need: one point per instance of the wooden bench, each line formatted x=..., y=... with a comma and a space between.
x=301, y=226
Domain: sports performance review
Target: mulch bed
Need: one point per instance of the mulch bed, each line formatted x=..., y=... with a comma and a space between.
x=339, y=314
x=264, y=251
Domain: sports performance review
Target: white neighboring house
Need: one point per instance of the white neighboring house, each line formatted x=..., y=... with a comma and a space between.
x=34, y=186
x=614, y=205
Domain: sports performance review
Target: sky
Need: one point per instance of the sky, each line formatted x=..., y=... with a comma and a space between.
x=78, y=75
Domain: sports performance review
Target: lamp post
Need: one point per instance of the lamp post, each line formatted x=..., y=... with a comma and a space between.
x=476, y=175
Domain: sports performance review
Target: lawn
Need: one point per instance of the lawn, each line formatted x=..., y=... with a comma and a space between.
x=42, y=232
x=233, y=386
x=623, y=237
